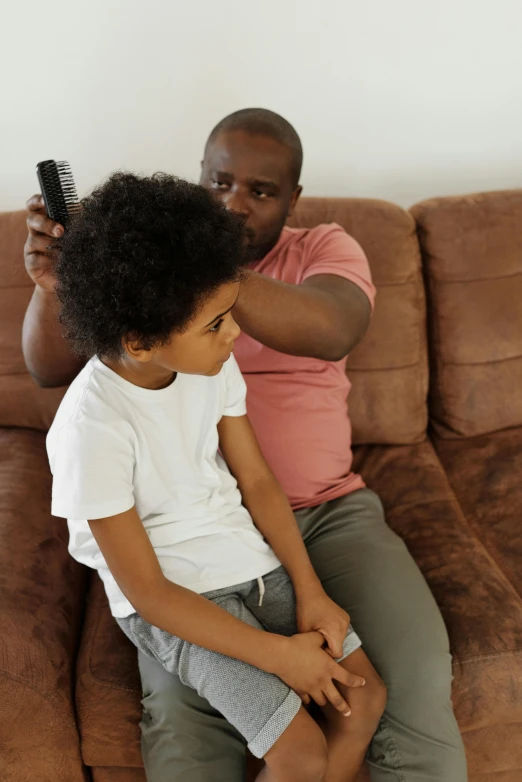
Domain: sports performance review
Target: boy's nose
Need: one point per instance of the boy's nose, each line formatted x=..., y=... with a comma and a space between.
x=236, y=331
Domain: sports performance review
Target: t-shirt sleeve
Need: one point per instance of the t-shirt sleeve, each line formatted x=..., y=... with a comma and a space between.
x=235, y=389
x=92, y=469
x=330, y=250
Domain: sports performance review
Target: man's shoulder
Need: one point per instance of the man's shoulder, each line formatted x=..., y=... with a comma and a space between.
x=324, y=237
x=321, y=249
x=312, y=232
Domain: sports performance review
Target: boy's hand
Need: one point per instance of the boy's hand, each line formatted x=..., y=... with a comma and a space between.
x=310, y=672
x=315, y=611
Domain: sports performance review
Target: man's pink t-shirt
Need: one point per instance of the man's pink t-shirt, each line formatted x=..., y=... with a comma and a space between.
x=297, y=405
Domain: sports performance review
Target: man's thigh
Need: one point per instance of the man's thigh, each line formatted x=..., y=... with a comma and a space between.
x=366, y=568
x=183, y=738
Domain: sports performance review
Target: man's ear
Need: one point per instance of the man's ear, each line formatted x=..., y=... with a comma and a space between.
x=295, y=198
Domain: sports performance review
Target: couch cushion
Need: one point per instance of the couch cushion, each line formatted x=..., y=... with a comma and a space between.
x=388, y=369
x=108, y=687
x=482, y=611
x=486, y=475
x=42, y=592
x=472, y=248
x=22, y=403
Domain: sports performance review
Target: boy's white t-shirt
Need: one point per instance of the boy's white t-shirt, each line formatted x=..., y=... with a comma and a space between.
x=113, y=445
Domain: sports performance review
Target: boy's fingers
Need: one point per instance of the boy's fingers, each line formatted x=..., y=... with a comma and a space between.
x=347, y=678
x=336, y=647
x=320, y=698
x=337, y=700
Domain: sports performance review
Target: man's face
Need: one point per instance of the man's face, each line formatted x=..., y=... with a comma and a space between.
x=253, y=176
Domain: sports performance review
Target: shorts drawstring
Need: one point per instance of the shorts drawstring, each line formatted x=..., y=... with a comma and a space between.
x=261, y=585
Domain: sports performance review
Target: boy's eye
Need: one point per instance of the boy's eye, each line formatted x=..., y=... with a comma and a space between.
x=216, y=326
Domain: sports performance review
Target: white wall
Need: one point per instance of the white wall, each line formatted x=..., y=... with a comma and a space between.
x=397, y=99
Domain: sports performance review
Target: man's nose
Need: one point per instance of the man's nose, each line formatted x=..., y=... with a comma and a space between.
x=237, y=201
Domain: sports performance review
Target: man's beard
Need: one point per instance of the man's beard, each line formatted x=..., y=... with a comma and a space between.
x=258, y=250
x=255, y=250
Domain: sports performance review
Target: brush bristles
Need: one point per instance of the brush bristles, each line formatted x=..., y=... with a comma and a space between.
x=58, y=189
x=68, y=187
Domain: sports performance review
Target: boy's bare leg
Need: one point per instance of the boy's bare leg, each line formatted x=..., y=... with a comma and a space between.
x=299, y=754
x=348, y=738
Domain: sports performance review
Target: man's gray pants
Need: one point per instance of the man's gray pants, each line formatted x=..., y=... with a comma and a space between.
x=366, y=569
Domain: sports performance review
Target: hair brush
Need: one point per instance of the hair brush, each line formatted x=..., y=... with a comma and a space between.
x=58, y=190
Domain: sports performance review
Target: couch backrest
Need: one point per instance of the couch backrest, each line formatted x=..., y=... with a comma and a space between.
x=22, y=403
x=472, y=247
x=389, y=369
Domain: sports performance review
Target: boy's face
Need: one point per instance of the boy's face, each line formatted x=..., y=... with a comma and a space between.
x=202, y=348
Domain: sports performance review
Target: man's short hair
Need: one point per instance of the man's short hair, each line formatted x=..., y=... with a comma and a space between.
x=262, y=122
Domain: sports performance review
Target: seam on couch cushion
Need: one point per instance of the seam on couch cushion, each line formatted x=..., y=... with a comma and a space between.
x=478, y=657
x=49, y=697
x=108, y=683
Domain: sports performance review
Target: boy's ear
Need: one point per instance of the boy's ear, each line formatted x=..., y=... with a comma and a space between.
x=133, y=347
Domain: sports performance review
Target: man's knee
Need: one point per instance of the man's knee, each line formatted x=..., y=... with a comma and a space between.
x=182, y=735
x=422, y=685
x=419, y=722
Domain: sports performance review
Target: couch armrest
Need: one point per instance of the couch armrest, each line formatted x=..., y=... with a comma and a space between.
x=42, y=595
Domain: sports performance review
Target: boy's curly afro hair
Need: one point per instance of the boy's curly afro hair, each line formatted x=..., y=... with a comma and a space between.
x=140, y=258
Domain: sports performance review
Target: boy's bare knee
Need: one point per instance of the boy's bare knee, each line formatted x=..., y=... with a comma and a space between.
x=373, y=703
x=301, y=754
x=309, y=759
x=377, y=699
x=368, y=705
x=312, y=764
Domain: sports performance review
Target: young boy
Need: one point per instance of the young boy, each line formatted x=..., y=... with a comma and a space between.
x=167, y=495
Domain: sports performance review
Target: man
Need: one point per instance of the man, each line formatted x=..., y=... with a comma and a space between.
x=304, y=305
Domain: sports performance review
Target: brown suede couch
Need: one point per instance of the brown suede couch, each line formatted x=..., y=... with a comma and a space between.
x=437, y=417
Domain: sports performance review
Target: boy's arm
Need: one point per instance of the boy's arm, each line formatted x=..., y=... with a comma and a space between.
x=133, y=563
x=299, y=661
x=273, y=516
x=266, y=501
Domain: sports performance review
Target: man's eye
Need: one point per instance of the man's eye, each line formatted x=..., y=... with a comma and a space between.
x=218, y=185
x=260, y=194
x=217, y=326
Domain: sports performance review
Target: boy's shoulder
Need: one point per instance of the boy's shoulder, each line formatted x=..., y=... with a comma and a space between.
x=91, y=398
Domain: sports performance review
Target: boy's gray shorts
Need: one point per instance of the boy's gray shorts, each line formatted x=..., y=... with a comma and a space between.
x=258, y=704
